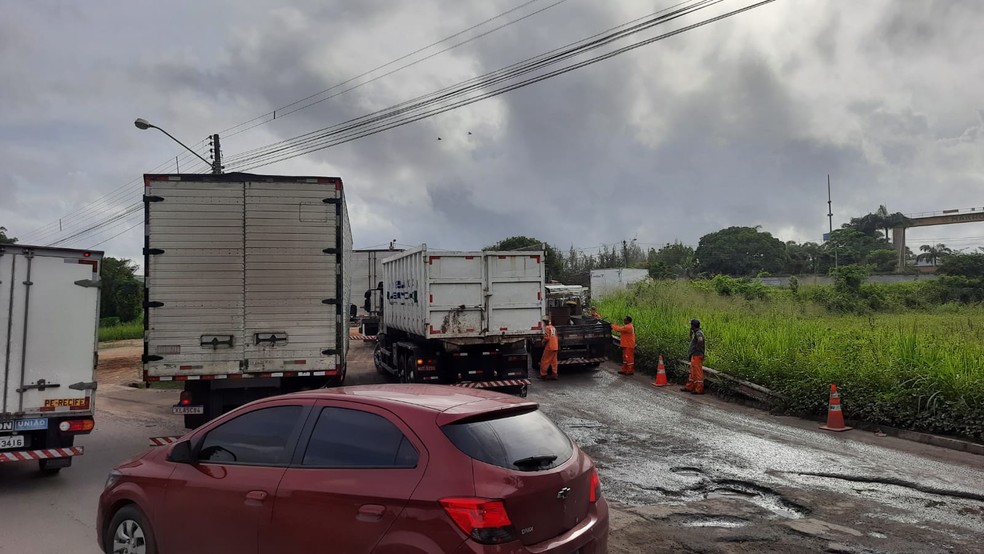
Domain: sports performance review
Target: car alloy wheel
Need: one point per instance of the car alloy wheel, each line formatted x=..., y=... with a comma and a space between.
x=130, y=533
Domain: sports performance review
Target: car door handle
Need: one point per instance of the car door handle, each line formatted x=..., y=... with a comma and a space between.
x=371, y=512
x=254, y=498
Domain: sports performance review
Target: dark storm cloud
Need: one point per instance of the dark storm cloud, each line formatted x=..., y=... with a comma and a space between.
x=737, y=123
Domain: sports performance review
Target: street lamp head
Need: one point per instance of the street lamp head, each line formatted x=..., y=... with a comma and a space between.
x=142, y=124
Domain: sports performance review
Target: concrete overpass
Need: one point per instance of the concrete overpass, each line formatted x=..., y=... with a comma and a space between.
x=946, y=217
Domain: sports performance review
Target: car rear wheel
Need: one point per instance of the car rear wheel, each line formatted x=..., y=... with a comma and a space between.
x=129, y=532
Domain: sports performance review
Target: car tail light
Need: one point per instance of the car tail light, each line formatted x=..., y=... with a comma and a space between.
x=185, y=398
x=594, y=493
x=484, y=520
x=76, y=425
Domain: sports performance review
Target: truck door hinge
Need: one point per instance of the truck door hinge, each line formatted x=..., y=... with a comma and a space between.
x=147, y=199
x=153, y=251
x=330, y=201
x=329, y=352
x=330, y=251
x=153, y=304
x=83, y=385
x=88, y=283
x=331, y=301
x=151, y=358
x=40, y=385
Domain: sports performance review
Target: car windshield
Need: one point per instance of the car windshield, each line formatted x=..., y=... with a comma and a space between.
x=524, y=442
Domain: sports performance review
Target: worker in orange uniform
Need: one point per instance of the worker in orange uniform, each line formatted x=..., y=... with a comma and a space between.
x=627, y=342
x=550, y=348
x=695, y=384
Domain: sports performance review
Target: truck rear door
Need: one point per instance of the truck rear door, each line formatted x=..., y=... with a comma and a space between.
x=49, y=306
x=292, y=277
x=194, y=278
x=515, y=299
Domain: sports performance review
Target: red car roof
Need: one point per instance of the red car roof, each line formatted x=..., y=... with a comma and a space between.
x=451, y=403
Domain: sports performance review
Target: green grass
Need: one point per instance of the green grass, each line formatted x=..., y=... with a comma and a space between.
x=123, y=331
x=920, y=370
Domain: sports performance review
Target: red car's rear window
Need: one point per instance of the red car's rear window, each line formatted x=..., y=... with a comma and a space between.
x=524, y=442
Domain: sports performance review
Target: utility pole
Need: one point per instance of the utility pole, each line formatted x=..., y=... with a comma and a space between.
x=216, y=155
x=830, y=211
x=830, y=219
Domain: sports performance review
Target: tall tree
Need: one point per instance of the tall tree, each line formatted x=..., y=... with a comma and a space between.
x=672, y=260
x=121, y=294
x=4, y=239
x=933, y=252
x=740, y=251
x=970, y=266
x=554, y=259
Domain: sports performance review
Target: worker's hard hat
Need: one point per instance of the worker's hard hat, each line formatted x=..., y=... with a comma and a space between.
x=695, y=323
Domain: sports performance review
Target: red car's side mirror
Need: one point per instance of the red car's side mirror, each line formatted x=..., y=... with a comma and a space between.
x=181, y=453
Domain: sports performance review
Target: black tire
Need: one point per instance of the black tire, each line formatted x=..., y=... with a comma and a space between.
x=377, y=359
x=411, y=371
x=130, y=526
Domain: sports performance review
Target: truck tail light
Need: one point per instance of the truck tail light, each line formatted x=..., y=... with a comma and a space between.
x=594, y=492
x=484, y=520
x=185, y=398
x=76, y=425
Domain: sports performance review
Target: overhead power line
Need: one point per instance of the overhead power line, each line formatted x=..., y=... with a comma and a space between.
x=440, y=103
x=91, y=211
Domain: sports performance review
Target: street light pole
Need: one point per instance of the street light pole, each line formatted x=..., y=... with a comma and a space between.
x=215, y=164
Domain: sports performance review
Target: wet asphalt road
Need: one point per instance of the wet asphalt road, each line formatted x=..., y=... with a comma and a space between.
x=683, y=473
x=665, y=449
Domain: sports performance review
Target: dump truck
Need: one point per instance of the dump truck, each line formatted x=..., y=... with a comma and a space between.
x=246, y=287
x=584, y=341
x=49, y=332
x=460, y=318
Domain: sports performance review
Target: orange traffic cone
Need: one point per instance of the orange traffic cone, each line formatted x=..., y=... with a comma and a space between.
x=835, y=417
x=660, y=380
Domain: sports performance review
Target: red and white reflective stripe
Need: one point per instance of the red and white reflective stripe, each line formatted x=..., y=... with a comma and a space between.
x=46, y=454
x=163, y=441
x=582, y=361
x=364, y=338
x=492, y=384
x=319, y=373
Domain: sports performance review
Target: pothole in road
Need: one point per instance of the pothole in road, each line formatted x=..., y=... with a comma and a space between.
x=762, y=497
x=727, y=522
x=687, y=471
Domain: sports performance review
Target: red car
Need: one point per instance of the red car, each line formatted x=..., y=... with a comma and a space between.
x=399, y=469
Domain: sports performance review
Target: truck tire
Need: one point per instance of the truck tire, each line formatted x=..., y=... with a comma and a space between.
x=129, y=531
x=377, y=359
x=410, y=370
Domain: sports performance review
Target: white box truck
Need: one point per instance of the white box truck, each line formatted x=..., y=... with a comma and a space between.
x=246, y=287
x=49, y=325
x=461, y=318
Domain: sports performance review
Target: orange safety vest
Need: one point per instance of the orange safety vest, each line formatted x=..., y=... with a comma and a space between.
x=550, y=333
x=627, y=338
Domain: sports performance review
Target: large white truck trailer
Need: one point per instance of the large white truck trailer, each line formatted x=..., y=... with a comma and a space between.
x=461, y=318
x=247, y=288
x=49, y=325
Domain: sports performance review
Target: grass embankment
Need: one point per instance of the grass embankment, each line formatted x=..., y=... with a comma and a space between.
x=916, y=370
x=122, y=331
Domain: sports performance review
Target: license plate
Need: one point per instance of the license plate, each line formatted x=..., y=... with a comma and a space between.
x=11, y=441
x=187, y=410
x=39, y=424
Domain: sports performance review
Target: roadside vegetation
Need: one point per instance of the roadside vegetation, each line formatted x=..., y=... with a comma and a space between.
x=110, y=329
x=907, y=355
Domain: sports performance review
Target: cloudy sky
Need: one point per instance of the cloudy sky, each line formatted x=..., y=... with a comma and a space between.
x=737, y=122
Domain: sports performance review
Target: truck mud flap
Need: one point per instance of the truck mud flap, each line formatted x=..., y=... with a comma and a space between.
x=582, y=361
x=43, y=454
x=502, y=384
x=164, y=441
